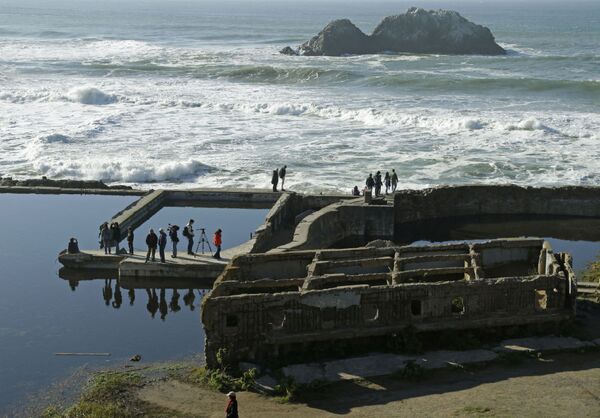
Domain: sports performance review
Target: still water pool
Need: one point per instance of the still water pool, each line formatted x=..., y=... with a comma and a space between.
x=42, y=314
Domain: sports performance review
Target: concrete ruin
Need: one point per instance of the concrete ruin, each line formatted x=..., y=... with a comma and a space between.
x=273, y=306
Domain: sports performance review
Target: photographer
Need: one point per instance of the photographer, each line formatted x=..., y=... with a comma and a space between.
x=188, y=232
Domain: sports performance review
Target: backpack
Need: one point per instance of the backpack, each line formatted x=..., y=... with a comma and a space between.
x=186, y=232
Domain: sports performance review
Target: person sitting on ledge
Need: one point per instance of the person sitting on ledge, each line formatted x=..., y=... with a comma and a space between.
x=151, y=242
x=73, y=247
x=355, y=191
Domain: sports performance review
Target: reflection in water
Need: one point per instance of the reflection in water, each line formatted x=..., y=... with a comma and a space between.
x=160, y=299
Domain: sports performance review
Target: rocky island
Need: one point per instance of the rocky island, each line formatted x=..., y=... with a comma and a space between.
x=416, y=31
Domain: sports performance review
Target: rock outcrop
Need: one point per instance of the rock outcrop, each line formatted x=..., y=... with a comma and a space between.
x=64, y=184
x=417, y=31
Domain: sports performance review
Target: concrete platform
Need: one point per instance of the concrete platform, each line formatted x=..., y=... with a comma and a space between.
x=201, y=267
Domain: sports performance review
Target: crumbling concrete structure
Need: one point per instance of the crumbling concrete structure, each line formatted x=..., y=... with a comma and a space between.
x=268, y=306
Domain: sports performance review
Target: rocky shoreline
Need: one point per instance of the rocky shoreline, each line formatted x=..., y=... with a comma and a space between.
x=64, y=186
x=417, y=31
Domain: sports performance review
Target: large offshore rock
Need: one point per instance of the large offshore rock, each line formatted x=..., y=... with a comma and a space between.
x=434, y=31
x=416, y=31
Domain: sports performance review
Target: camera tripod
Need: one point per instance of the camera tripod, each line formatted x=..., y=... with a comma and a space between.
x=203, y=240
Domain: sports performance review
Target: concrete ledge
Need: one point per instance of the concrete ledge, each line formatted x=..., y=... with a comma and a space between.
x=380, y=364
x=62, y=190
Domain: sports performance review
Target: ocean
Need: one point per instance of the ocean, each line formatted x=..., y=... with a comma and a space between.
x=194, y=93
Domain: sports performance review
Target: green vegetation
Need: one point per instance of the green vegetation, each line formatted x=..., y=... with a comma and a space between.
x=592, y=272
x=105, y=396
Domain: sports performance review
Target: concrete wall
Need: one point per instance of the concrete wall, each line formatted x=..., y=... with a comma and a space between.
x=453, y=201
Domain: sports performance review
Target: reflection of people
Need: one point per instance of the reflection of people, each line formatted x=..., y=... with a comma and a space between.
x=232, y=406
x=152, y=305
x=163, y=305
x=217, y=241
x=131, y=294
x=188, y=299
x=118, y=297
x=107, y=291
x=174, y=304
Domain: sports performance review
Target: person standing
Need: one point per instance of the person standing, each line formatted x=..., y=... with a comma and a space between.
x=282, y=173
x=232, y=406
x=274, y=180
x=106, y=236
x=378, y=183
x=387, y=181
x=394, y=180
x=217, y=240
x=174, y=238
x=130, y=240
x=162, y=244
x=188, y=232
x=116, y=235
x=370, y=183
x=151, y=242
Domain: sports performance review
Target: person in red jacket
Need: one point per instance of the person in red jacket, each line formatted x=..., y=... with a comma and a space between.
x=232, y=406
x=217, y=241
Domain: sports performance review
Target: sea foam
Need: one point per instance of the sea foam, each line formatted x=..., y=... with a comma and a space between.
x=91, y=96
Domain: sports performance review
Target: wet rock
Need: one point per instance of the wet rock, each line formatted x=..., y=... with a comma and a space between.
x=288, y=50
x=416, y=31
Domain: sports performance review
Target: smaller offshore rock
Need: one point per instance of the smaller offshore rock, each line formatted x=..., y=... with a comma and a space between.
x=339, y=37
x=288, y=50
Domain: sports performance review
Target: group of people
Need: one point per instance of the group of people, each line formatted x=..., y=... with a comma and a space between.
x=110, y=236
x=376, y=182
x=279, y=175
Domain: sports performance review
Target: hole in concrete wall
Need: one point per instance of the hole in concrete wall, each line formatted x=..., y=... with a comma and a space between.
x=458, y=305
x=541, y=300
x=231, y=321
x=370, y=312
x=415, y=307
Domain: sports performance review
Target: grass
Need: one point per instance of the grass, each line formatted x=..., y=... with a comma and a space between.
x=220, y=379
x=107, y=395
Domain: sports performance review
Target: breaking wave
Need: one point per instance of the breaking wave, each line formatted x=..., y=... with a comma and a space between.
x=91, y=96
x=125, y=171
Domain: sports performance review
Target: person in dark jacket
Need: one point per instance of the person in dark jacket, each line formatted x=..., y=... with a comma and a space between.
x=174, y=238
x=106, y=236
x=151, y=242
x=275, y=180
x=232, y=406
x=282, y=173
x=115, y=230
x=394, y=180
x=378, y=183
x=370, y=183
x=130, y=240
x=387, y=180
x=355, y=191
x=162, y=244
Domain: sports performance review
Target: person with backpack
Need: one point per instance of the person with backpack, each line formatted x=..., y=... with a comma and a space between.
x=217, y=241
x=275, y=180
x=130, y=240
x=188, y=232
x=282, y=173
x=387, y=180
x=106, y=235
x=174, y=238
x=162, y=244
x=394, y=180
x=370, y=183
x=151, y=242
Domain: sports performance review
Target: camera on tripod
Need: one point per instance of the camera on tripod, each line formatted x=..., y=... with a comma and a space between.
x=203, y=241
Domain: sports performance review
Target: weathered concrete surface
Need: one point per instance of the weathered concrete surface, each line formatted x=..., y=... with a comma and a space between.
x=381, y=364
x=62, y=190
x=547, y=344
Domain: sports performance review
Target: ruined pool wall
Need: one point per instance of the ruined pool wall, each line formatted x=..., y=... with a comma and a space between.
x=353, y=218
